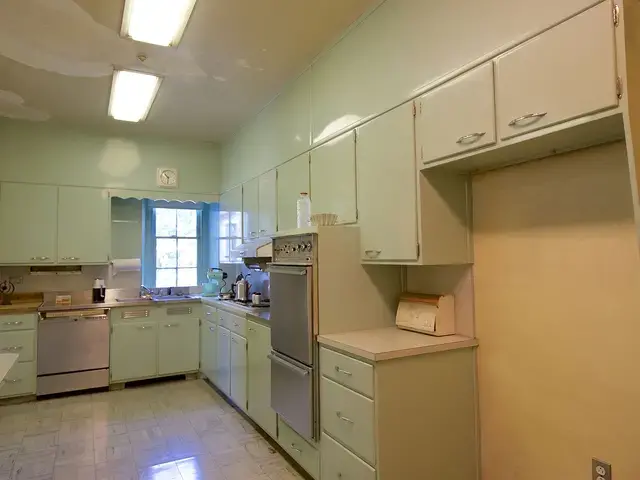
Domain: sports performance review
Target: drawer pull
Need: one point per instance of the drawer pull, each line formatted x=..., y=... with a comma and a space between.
x=179, y=311
x=144, y=327
x=13, y=348
x=234, y=340
x=171, y=325
x=213, y=329
x=344, y=372
x=235, y=324
x=251, y=329
x=19, y=322
x=41, y=259
x=208, y=314
x=529, y=116
x=344, y=419
x=293, y=447
x=12, y=380
x=290, y=366
x=471, y=138
x=135, y=314
x=71, y=258
x=372, y=253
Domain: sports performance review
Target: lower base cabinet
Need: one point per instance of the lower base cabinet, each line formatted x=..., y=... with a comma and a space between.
x=18, y=335
x=208, y=352
x=223, y=364
x=259, y=377
x=238, y=368
x=178, y=345
x=305, y=454
x=339, y=463
x=134, y=351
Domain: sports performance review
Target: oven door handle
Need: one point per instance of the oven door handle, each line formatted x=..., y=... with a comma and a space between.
x=288, y=365
x=288, y=270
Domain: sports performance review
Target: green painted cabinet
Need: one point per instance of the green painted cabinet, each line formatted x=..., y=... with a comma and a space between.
x=134, y=350
x=28, y=223
x=223, y=365
x=259, y=377
x=84, y=229
x=268, y=200
x=238, y=370
x=178, y=344
x=208, y=349
x=250, y=209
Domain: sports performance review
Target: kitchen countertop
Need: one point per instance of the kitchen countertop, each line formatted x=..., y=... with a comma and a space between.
x=20, y=308
x=52, y=307
x=388, y=343
x=261, y=313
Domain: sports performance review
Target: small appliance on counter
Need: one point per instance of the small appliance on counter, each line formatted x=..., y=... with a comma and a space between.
x=213, y=288
x=242, y=288
x=99, y=291
x=430, y=314
x=6, y=291
x=256, y=299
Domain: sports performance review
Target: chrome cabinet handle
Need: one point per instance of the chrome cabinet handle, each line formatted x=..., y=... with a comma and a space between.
x=344, y=419
x=12, y=380
x=252, y=234
x=19, y=322
x=234, y=340
x=529, y=116
x=209, y=313
x=235, y=324
x=14, y=348
x=251, y=329
x=70, y=258
x=344, y=372
x=288, y=365
x=262, y=231
x=171, y=325
x=40, y=258
x=471, y=138
x=213, y=329
x=372, y=253
x=293, y=447
x=144, y=327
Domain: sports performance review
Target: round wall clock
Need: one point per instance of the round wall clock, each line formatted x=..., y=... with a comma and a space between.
x=167, y=177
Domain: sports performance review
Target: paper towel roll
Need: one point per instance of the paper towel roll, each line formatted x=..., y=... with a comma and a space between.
x=126, y=265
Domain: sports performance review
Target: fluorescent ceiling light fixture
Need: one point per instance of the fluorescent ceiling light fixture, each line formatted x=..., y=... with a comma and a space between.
x=132, y=94
x=161, y=22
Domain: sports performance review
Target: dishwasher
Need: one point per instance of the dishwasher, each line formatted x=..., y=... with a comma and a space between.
x=73, y=350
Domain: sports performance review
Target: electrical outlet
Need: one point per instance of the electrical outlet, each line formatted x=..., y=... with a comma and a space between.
x=16, y=280
x=600, y=470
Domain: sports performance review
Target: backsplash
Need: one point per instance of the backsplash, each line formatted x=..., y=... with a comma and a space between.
x=65, y=283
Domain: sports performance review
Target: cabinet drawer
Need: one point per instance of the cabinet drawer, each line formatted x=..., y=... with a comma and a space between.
x=349, y=417
x=347, y=371
x=299, y=449
x=22, y=343
x=210, y=314
x=21, y=380
x=233, y=322
x=17, y=322
x=339, y=463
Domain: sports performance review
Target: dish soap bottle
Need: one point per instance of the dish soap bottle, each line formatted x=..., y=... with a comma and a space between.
x=303, y=206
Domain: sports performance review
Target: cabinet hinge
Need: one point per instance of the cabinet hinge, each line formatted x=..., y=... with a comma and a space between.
x=421, y=152
x=357, y=214
x=414, y=109
x=616, y=15
x=619, y=88
x=111, y=328
x=417, y=250
x=199, y=321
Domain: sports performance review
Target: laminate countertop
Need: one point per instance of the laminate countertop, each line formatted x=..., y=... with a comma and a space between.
x=389, y=343
x=20, y=308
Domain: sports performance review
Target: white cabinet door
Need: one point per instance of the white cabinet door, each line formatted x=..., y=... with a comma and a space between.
x=333, y=178
x=178, y=342
x=268, y=200
x=293, y=178
x=208, y=349
x=250, y=208
x=84, y=228
x=564, y=73
x=223, y=366
x=259, y=377
x=387, y=187
x=231, y=203
x=134, y=351
x=458, y=116
x=28, y=223
x=238, y=389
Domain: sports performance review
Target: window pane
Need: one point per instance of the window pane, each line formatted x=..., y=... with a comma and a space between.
x=187, y=277
x=165, y=222
x=187, y=253
x=165, y=277
x=235, y=228
x=187, y=223
x=165, y=252
x=223, y=224
x=223, y=250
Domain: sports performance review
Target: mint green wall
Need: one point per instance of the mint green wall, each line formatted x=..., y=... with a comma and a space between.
x=43, y=153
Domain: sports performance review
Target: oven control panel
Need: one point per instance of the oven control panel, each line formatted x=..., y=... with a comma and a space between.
x=295, y=249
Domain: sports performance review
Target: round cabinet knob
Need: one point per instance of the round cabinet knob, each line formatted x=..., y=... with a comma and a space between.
x=309, y=246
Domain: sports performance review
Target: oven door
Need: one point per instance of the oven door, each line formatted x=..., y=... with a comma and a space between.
x=291, y=312
x=292, y=394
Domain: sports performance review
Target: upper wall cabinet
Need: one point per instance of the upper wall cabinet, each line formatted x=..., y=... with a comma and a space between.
x=268, y=203
x=564, y=73
x=457, y=117
x=84, y=229
x=333, y=178
x=231, y=203
x=250, y=208
x=293, y=119
x=28, y=223
x=293, y=178
x=387, y=187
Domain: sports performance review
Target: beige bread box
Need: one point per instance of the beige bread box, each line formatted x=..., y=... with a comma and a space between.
x=430, y=314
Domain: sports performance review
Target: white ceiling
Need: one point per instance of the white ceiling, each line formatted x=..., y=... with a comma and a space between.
x=56, y=59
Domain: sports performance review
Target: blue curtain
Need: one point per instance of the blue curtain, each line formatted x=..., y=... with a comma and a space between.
x=207, y=228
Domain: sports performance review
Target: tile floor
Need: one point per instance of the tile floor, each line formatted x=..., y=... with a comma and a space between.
x=169, y=431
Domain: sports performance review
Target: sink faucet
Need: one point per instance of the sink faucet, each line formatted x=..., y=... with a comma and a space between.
x=145, y=292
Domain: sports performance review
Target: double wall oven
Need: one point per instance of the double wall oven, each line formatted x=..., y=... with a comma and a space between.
x=294, y=355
